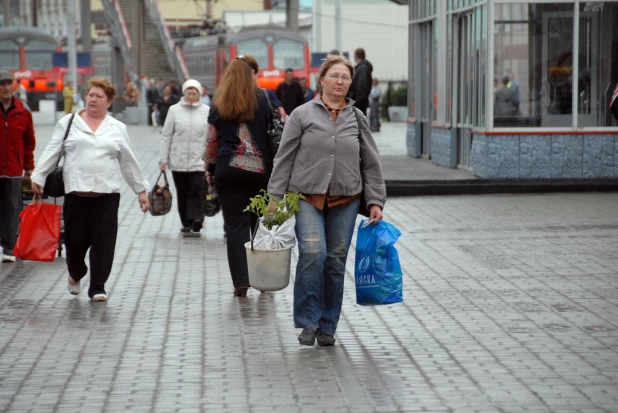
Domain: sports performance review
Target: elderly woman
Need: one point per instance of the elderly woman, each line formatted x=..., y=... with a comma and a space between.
x=183, y=140
x=97, y=152
x=325, y=156
x=238, y=157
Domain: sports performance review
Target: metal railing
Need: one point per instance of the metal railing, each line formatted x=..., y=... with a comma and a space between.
x=174, y=54
x=118, y=27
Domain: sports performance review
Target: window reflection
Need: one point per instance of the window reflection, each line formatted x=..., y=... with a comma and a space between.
x=288, y=54
x=256, y=48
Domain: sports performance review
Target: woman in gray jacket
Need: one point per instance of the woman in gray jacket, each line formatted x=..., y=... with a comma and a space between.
x=325, y=156
x=183, y=140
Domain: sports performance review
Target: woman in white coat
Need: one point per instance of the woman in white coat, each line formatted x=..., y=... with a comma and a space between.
x=183, y=140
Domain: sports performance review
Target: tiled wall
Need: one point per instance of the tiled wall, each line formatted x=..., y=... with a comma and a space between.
x=545, y=156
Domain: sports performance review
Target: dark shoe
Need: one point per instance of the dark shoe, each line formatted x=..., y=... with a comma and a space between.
x=307, y=337
x=240, y=291
x=326, y=340
x=185, y=229
x=196, y=226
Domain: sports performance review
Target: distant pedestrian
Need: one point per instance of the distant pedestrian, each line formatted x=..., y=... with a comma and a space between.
x=174, y=87
x=334, y=52
x=290, y=92
x=361, y=84
x=328, y=173
x=308, y=93
x=100, y=153
x=514, y=86
x=131, y=94
x=68, y=93
x=238, y=157
x=17, y=144
x=205, y=98
x=504, y=100
x=152, y=95
x=183, y=140
x=165, y=101
x=374, y=105
x=22, y=94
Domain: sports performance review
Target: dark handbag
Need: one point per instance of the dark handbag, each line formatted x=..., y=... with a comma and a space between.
x=160, y=197
x=363, y=208
x=210, y=201
x=275, y=128
x=54, y=183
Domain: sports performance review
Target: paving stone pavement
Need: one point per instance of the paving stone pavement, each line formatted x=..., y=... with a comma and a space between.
x=510, y=306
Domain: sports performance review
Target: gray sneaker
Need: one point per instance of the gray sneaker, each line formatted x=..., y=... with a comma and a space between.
x=326, y=340
x=307, y=337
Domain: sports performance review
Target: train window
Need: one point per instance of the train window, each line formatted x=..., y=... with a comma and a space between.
x=288, y=54
x=40, y=45
x=9, y=54
x=39, y=60
x=256, y=48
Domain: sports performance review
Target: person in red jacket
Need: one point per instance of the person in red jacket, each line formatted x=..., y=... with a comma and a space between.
x=16, y=159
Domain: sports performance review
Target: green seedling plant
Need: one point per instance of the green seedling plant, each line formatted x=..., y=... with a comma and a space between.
x=275, y=212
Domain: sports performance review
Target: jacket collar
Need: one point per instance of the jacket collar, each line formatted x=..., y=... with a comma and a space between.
x=318, y=101
x=80, y=123
x=197, y=104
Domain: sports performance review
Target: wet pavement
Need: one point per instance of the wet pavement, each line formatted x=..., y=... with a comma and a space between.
x=511, y=305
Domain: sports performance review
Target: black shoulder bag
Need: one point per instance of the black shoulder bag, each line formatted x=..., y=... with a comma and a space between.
x=275, y=128
x=363, y=208
x=54, y=184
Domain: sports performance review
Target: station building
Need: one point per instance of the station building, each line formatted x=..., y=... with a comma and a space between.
x=559, y=62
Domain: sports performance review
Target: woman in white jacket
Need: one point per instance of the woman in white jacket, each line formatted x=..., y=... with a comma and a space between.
x=183, y=140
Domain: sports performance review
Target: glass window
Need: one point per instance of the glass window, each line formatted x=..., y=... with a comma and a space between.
x=598, y=63
x=9, y=54
x=411, y=73
x=288, y=54
x=256, y=48
x=533, y=65
x=38, y=60
x=40, y=45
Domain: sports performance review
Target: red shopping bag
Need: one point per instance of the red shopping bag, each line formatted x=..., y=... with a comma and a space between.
x=39, y=232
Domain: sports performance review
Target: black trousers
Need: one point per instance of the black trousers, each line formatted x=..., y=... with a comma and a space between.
x=91, y=222
x=235, y=187
x=10, y=207
x=189, y=196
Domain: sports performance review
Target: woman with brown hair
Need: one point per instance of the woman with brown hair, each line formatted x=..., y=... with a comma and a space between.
x=96, y=153
x=238, y=157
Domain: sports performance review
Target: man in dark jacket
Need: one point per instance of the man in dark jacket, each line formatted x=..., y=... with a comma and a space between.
x=290, y=92
x=16, y=158
x=361, y=82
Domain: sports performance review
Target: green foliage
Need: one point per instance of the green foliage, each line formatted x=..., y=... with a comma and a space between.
x=274, y=212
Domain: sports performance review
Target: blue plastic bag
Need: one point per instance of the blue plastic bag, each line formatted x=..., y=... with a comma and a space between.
x=377, y=272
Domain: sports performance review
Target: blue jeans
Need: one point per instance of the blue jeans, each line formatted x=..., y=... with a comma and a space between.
x=324, y=239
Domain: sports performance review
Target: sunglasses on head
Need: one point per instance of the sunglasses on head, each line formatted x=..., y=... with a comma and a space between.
x=241, y=57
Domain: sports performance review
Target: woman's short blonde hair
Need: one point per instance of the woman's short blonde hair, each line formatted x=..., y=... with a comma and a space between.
x=330, y=61
x=103, y=83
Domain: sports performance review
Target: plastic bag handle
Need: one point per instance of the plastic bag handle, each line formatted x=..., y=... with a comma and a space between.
x=164, y=178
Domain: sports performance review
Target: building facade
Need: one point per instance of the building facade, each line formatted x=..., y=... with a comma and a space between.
x=380, y=27
x=514, y=89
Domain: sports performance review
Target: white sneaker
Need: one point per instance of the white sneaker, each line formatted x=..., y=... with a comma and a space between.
x=99, y=297
x=73, y=288
x=8, y=258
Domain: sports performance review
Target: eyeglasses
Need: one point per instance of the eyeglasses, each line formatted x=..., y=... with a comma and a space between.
x=336, y=78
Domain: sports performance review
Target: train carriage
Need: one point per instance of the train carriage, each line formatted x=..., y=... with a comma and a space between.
x=275, y=50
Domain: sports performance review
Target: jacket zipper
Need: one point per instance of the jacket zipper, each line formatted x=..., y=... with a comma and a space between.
x=189, y=140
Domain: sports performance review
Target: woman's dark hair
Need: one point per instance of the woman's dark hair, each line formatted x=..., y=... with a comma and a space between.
x=236, y=95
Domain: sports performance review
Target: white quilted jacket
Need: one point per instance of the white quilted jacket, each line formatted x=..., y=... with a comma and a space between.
x=183, y=137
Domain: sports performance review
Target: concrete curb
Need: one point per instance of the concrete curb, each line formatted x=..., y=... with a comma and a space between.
x=396, y=188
